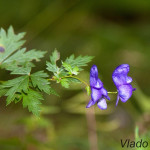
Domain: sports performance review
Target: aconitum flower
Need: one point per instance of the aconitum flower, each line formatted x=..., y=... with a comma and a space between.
x=122, y=82
x=97, y=90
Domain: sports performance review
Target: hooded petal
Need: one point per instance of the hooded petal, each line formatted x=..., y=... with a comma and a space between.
x=90, y=104
x=122, y=69
x=120, y=75
x=125, y=92
x=94, y=72
x=94, y=80
x=102, y=104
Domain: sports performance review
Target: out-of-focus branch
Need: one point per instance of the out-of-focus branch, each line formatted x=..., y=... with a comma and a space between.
x=92, y=135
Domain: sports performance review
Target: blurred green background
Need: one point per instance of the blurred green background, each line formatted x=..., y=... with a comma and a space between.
x=115, y=32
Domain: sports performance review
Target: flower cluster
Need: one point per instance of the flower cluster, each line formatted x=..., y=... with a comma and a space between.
x=97, y=90
x=121, y=80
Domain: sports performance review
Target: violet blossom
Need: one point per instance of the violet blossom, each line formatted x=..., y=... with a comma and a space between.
x=122, y=82
x=98, y=92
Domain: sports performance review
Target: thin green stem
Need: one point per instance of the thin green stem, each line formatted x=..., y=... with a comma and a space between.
x=52, y=79
x=76, y=78
x=112, y=92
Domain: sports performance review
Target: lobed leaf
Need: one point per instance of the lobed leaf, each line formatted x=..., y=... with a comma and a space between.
x=21, y=70
x=10, y=42
x=38, y=80
x=32, y=101
x=55, y=56
x=12, y=57
x=14, y=86
x=67, y=67
x=75, y=70
x=52, y=67
x=79, y=61
x=64, y=82
x=70, y=79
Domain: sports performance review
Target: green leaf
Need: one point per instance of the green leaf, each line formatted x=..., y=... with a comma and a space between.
x=67, y=67
x=52, y=67
x=75, y=70
x=12, y=57
x=32, y=101
x=64, y=83
x=14, y=86
x=39, y=80
x=21, y=71
x=21, y=58
x=52, y=91
x=3, y=92
x=11, y=42
x=18, y=97
x=79, y=61
x=55, y=56
x=71, y=79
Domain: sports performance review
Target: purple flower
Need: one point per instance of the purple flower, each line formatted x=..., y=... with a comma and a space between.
x=122, y=82
x=97, y=90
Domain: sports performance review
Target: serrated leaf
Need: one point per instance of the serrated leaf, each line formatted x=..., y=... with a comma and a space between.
x=21, y=56
x=54, y=57
x=67, y=67
x=38, y=80
x=23, y=59
x=52, y=91
x=79, y=61
x=52, y=67
x=75, y=70
x=21, y=70
x=73, y=80
x=32, y=101
x=62, y=73
x=12, y=57
x=64, y=83
x=19, y=84
x=3, y=92
x=11, y=42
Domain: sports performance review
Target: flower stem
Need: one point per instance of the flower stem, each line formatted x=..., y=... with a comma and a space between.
x=112, y=92
x=52, y=79
x=76, y=78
